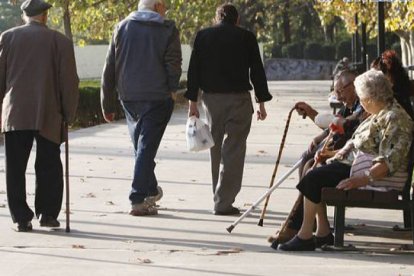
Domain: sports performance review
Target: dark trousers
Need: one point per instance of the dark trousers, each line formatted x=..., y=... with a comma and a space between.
x=146, y=121
x=49, y=175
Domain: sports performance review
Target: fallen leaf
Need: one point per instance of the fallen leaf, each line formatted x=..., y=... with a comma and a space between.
x=144, y=261
x=247, y=204
x=110, y=203
x=78, y=246
x=130, y=241
x=90, y=195
x=262, y=151
x=229, y=251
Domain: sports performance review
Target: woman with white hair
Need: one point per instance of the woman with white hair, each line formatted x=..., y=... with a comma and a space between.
x=383, y=138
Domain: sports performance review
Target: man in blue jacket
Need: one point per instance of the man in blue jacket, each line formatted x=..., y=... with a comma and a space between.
x=224, y=60
x=143, y=65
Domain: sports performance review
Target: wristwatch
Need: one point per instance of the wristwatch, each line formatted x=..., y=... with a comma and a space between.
x=368, y=174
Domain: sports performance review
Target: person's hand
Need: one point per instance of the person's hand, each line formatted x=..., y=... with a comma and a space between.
x=304, y=110
x=321, y=155
x=352, y=183
x=313, y=144
x=193, y=109
x=174, y=96
x=261, y=113
x=109, y=117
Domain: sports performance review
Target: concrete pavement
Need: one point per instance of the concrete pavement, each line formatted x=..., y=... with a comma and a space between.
x=185, y=238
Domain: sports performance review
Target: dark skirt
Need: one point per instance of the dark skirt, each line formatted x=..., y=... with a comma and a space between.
x=325, y=176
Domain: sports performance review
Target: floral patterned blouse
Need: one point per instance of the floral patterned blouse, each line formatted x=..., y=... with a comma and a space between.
x=386, y=135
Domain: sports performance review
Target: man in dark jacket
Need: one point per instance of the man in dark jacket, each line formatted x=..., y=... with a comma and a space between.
x=38, y=91
x=223, y=58
x=144, y=66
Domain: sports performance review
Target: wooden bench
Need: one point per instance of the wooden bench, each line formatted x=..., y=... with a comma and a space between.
x=392, y=200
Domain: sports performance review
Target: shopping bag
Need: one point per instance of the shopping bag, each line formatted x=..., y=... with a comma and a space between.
x=198, y=135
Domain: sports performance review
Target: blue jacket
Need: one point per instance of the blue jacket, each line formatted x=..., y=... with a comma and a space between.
x=143, y=61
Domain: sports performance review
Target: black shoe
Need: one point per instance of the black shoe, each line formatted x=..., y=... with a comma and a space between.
x=49, y=221
x=228, y=212
x=275, y=244
x=24, y=226
x=328, y=240
x=297, y=244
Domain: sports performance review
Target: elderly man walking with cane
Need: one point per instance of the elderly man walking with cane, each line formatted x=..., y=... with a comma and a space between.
x=38, y=92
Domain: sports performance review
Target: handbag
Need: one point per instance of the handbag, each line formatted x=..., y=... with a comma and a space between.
x=363, y=162
x=198, y=135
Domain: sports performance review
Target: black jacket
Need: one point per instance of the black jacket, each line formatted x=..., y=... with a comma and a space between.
x=224, y=60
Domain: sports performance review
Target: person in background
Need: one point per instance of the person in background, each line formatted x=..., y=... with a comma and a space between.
x=143, y=65
x=390, y=64
x=38, y=92
x=225, y=58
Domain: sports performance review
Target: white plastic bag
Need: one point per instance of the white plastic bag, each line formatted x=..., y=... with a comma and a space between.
x=198, y=135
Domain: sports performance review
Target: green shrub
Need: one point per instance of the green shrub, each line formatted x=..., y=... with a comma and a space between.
x=277, y=51
x=344, y=49
x=313, y=51
x=329, y=52
x=89, y=111
x=293, y=50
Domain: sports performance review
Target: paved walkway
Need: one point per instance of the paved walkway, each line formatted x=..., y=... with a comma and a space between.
x=186, y=239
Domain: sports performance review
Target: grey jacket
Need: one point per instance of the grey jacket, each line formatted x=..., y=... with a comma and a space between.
x=143, y=61
x=38, y=80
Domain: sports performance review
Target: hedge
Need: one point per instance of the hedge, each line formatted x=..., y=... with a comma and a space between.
x=89, y=112
x=313, y=51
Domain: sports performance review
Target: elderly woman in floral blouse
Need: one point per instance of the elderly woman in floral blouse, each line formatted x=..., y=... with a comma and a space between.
x=385, y=135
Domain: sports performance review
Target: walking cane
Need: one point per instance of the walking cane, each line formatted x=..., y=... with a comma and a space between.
x=299, y=199
x=67, y=176
x=282, y=145
x=267, y=194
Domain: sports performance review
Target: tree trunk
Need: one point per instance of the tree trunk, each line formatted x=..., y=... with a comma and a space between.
x=286, y=23
x=411, y=57
x=329, y=31
x=66, y=19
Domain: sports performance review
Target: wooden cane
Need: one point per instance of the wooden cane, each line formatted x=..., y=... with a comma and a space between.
x=67, y=177
x=282, y=145
x=299, y=199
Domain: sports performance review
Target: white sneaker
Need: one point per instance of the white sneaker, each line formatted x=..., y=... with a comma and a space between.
x=145, y=208
x=153, y=199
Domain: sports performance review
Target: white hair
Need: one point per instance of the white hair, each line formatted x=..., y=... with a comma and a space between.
x=374, y=85
x=35, y=18
x=148, y=4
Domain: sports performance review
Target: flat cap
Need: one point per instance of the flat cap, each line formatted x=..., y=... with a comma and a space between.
x=34, y=7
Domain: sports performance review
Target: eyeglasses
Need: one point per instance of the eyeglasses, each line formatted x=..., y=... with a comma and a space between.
x=340, y=91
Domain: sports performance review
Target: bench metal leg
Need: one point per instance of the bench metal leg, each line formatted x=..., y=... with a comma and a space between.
x=339, y=226
x=407, y=218
x=412, y=221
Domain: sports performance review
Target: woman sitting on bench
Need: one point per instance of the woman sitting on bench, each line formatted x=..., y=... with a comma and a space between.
x=386, y=134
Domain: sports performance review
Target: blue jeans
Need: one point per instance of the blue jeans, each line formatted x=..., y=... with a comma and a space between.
x=146, y=121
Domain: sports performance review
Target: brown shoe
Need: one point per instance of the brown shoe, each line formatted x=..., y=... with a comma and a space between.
x=143, y=209
x=281, y=237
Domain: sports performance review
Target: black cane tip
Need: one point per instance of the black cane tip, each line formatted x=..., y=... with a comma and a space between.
x=67, y=229
x=230, y=228
x=260, y=223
